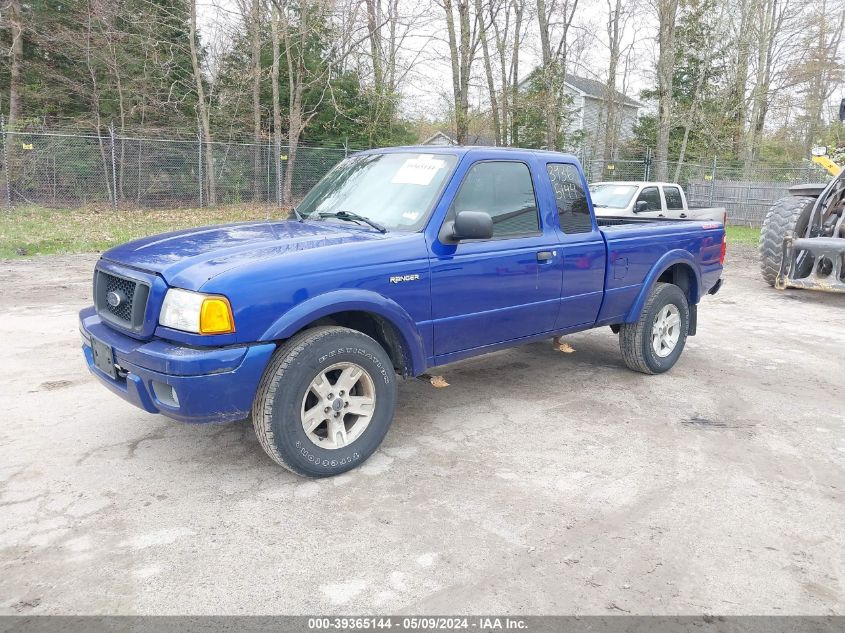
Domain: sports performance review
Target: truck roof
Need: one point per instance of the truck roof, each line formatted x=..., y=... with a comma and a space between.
x=460, y=150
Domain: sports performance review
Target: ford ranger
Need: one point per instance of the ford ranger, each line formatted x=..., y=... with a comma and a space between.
x=398, y=261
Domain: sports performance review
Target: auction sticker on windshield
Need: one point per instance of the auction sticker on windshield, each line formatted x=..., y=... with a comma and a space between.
x=418, y=171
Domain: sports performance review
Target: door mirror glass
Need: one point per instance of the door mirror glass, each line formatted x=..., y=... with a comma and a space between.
x=472, y=225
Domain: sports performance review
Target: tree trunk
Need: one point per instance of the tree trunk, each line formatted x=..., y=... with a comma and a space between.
x=376, y=52
x=549, y=70
x=15, y=62
x=738, y=107
x=461, y=53
x=488, y=71
x=277, y=108
x=296, y=87
x=614, y=34
x=202, y=108
x=255, y=25
x=515, y=98
x=666, y=13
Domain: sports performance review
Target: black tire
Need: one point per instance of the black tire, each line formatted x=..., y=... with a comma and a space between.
x=787, y=214
x=277, y=409
x=635, y=339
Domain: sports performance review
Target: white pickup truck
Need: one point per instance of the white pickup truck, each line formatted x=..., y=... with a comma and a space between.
x=649, y=200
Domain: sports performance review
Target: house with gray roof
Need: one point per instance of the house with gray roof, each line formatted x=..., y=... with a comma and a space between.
x=589, y=111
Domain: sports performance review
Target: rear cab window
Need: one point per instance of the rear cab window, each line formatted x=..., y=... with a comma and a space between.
x=674, y=200
x=570, y=198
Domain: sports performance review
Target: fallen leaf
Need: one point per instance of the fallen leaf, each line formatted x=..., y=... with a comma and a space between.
x=439, y=382
x=560, y=346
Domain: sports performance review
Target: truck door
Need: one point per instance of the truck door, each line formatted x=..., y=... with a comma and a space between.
x=654, y=204
x=582, y=248
x=490, y=291
x=674, y=202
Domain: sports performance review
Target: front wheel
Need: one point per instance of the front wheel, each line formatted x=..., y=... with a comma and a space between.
x=790, y=214
x=655, y=341
x=325, y=402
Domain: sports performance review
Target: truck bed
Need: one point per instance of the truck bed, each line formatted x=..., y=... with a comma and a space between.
x=636, y=245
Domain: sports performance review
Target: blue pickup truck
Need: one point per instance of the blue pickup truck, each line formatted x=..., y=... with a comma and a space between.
x=398, y=261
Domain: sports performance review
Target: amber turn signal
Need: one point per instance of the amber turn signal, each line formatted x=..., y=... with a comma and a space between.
x=216, y=316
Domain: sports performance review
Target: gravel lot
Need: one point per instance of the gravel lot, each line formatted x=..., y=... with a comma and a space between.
x=538, y=482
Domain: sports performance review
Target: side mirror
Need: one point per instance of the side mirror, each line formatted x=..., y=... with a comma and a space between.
x=640, y=206
x=471, y=225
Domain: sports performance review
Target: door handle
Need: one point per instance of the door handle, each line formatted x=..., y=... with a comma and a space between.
x=683, y=215
x=545, y=256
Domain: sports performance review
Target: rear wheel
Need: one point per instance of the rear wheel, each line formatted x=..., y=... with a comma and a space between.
x=787, y=214
x=325, y=402
x=655, y=341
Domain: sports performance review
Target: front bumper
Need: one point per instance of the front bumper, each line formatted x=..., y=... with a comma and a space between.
x=210, y=384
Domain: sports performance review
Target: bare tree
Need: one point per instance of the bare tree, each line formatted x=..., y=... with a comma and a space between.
x=737, y=99
x=555, y=19
x=617, y=18
x=277, y=108
x=509, y=109
x=202, y=106
x=821, y=69
x=667, y=11
x=463, y=44
x=255, y=37
x=488, y=66
x=15, y=61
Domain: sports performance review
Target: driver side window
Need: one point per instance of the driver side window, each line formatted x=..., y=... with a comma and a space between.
x=504, y=191
x=651, y=196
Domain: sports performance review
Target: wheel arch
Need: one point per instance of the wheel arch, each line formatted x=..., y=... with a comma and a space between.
x=364, y=311
x=676, y=267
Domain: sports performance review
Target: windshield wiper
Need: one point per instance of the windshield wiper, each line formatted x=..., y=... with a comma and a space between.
x=354, y=217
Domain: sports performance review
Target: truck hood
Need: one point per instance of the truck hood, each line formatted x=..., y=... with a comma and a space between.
x=191, y=257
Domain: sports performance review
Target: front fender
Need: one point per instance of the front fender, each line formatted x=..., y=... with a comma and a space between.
x=667, y=260
x=349, y=299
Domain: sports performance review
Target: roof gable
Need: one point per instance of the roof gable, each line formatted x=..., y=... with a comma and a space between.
x=587, y=87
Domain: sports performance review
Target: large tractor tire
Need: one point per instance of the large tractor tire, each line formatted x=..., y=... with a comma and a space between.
x=787, y=214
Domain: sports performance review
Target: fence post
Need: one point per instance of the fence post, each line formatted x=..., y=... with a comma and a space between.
x=647, y=165
x=712, y=182
x=278, y=159
x=199, y=165
x=269, y=154
x=113, y=169
x=6, y=162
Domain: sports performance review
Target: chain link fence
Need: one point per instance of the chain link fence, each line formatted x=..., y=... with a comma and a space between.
x=72, y=170
x=746, y=191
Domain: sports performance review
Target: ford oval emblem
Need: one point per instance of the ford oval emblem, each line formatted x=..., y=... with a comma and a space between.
x=114, y=299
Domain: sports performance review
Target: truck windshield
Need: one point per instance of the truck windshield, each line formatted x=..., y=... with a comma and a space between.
x=607, y=194
x=396, y=190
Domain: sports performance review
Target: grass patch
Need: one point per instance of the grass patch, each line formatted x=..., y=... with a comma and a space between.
x=26, y=231
x=743, y=235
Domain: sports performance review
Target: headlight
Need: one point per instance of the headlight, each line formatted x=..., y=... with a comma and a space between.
x=195, y=312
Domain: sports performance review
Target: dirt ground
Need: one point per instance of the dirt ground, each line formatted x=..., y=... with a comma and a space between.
x=537, y=483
